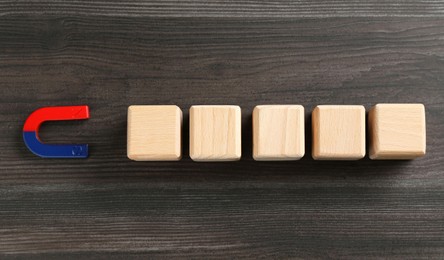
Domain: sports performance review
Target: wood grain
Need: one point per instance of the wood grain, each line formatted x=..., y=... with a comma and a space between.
x=226, y=8
x=111, y=207
x=154, y=133
x=338, y=132
x=397, y=131
x=215, y=133
x=278, y=132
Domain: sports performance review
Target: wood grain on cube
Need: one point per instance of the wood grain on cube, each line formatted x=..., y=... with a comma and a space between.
x=215, y=133
x=154, y=133
x=278, y=132
x=397, y=131
x=338, y=132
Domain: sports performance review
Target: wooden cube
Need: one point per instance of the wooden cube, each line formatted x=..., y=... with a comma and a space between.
x=154, y=133
x=397, y=131
x=338, y=132
x=278, y=132
x=215, y=133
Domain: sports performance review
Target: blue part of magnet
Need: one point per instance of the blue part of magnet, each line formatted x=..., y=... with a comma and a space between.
x=54, y=150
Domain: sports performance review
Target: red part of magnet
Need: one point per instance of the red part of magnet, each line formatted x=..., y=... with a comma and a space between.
x=54, y=114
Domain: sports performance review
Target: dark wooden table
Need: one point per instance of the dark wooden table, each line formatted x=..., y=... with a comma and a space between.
x=111, y=54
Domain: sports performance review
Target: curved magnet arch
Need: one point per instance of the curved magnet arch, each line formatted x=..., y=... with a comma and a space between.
x=62, y=113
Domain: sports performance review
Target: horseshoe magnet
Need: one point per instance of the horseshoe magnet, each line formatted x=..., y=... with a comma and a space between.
x=32, y=125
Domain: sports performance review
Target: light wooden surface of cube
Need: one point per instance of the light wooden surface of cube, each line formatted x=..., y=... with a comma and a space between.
x=338, y=132
x=397, y=131
x=154, y=133
x=215, y=133
x=278, y=132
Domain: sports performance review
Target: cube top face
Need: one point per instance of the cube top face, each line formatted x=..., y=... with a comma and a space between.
x=215, y=133
x=398, y=131
x=278, y=132
x=154, y=133
x=338, y=132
